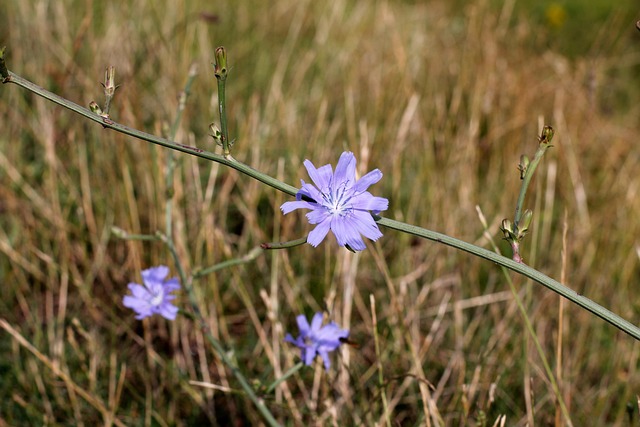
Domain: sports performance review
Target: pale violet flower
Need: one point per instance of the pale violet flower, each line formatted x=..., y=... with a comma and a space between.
x=316, y=339
x=153, y=297
x=340, y=203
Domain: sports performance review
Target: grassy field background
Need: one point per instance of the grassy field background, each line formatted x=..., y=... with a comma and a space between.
x=443, y=97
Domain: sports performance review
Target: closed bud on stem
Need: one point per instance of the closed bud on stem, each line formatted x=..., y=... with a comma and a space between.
x=119, y=232
x=220, y=67
x=110, y=82
x=525, y=223
x=110, y=87
x=95, y=108
x=522, y=166
x=215, y=133
x=547, y=135
x=3, y=67
x=508, y=230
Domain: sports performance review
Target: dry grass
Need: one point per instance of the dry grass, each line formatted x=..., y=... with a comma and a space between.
x=443, y=101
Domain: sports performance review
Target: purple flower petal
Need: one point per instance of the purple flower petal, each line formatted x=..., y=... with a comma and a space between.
x=316, y=339
x=155, y=274
x=291, y=206
x=317, y=235
x=316, y=322
x=365, y=225
x=154, y=297
x=339, y=203
x=303, y=325
x=319, y=215
x=367, y=180
x=346, y=169
x=321, y=177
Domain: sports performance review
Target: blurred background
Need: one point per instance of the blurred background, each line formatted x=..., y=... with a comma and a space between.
x=442, y=96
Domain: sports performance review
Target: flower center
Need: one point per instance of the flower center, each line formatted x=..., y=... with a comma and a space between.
x=336, y=200
x=157, y=296
x=308, y=341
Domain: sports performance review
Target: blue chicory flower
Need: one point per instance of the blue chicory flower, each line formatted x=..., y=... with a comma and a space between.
x=340, y=203
x=154, y=296
x=317, y=339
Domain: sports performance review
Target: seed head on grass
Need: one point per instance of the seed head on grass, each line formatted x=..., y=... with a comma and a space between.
x=154, y=296
x=340, y=203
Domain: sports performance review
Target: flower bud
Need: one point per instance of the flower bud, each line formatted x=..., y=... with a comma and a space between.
x=522, y=166
x=215, y=133
x=547, y=135
x=220, y=67
x=95, y=108
x=508, y=230
x=525, y=223
x=110, y=82
x=3, y=67
x=119, y=232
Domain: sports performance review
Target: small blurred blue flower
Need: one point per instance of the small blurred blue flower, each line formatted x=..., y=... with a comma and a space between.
x=340, y=203
x=154, y=296
x=317, y=339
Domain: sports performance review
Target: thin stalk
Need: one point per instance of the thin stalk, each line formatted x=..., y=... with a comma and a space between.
x=220, y=71
x=561, y=406
x=188, y=281
x=222, y=352
x=285, y=376
x=125, y=235
x=545, y=139
x=223, y=117
x=284, y=245
x=109, y=88
x=108, y=123
x=171, y=161
x=253, y=254
x=519, y=268
x=376, y=342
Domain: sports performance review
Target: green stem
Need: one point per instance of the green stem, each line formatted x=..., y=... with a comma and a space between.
x=171, y=161
x=122, y=234
x=532, y=334
x=522, y=269
x=223, y=117
x=109, y=88
x=220, y=71
x=107, y=123
x=531, y=168
x=285, y=245
x=526, y=271
x=188, y=281
x=253, y=254
x=538, y=346
x=376, y=342
x=284, y=376
x=220, y=350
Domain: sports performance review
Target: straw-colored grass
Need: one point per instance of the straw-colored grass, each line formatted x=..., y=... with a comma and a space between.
x=442, y=99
